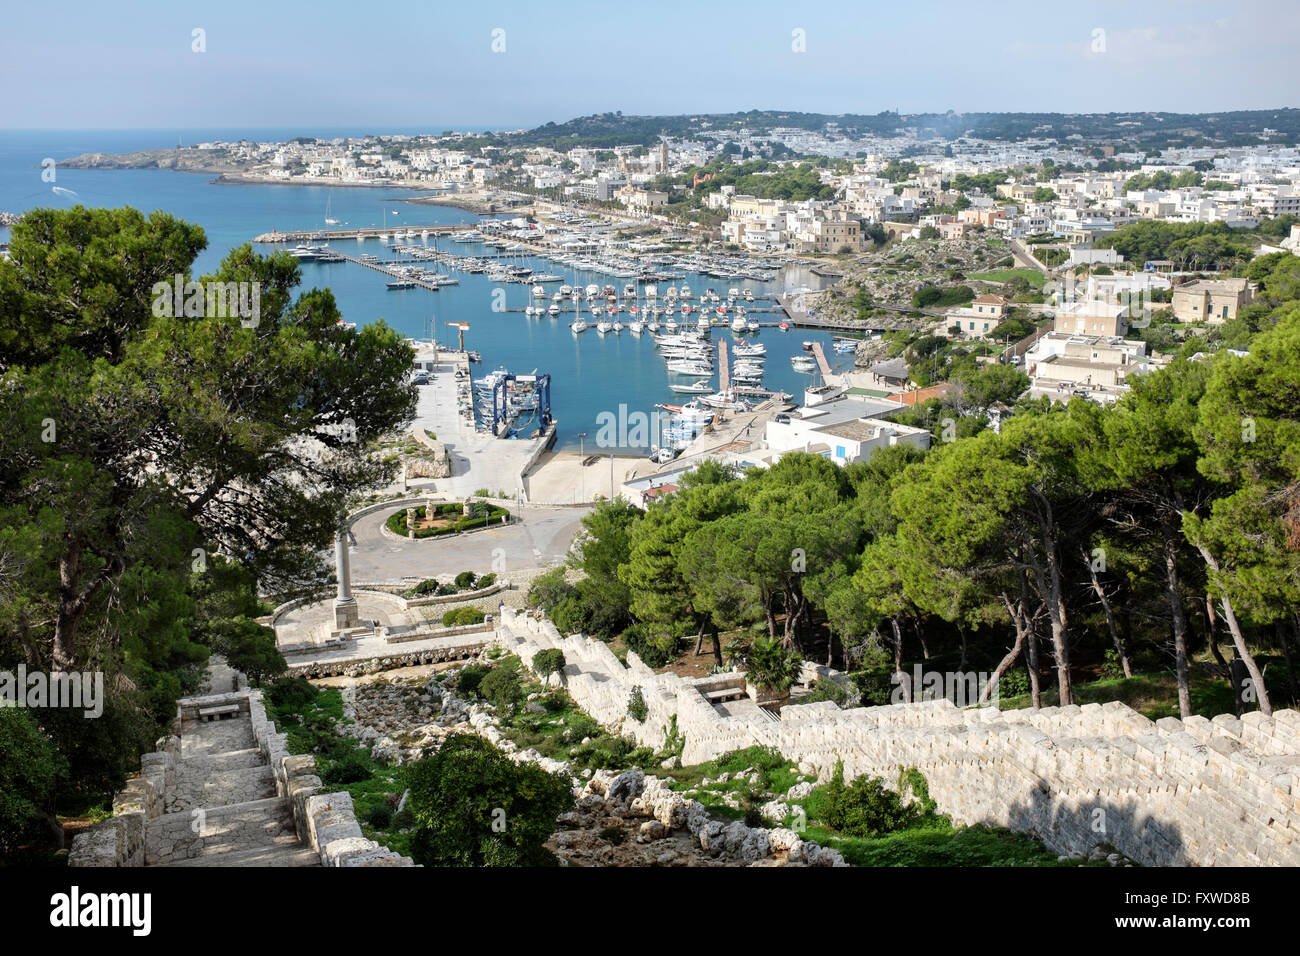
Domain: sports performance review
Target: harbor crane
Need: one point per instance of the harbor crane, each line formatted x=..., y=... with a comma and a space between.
x=461, y=328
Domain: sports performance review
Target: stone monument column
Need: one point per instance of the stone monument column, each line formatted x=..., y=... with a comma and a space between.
x=345, y=605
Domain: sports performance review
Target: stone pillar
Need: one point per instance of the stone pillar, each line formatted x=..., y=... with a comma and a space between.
x=345, y=605
x=411, y=519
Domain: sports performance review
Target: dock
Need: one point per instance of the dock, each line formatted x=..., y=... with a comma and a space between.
x=724, y=367
x=367, y=232
x=819, y=353
x=394, y=274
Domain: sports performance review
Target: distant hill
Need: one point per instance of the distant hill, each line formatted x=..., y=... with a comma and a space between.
x=1155, y=130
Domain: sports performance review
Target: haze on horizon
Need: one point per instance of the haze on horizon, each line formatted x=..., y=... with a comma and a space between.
x=344, y=64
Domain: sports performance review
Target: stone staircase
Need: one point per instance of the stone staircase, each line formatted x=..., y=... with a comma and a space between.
x=221, y=805
x=224, y=791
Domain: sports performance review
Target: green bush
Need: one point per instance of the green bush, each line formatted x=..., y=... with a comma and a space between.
x=291, y=694
x=501, y=689
x=461, y=616
x=636, y=706
x=351, y=769
x=579, y=727
x=465, y=580
x=485, y=582
x=380, y=816
x=427, y=586
x=30, y=769
x=772, y=666
x=548, y=590
x=655, y=648
x=469, y=680
x=473, y=806
x=863, y=808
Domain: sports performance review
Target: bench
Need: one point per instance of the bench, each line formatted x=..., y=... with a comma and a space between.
x=218, y=713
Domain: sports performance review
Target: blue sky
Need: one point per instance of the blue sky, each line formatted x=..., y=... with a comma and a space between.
x=331, y=63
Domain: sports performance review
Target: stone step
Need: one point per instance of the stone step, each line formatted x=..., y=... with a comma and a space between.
x=187, y=834
x=196, y=788
x=220, y=762
x=280, y=854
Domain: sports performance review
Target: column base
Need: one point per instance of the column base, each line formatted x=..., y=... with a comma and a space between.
x=346, y=613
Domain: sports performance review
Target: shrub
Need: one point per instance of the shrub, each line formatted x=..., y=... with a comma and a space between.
x=460, y=791
x=427, y=586
x=465, y=580
x=636, y=706
x=351, y=769
x=291, y=694
x=827, y=689
x=548, y=590
x=469, y=680
x=501, y=689
x=460, y=616
x=655, y=649
x=485, y=582
x=772, y=666
x=580, y=727
x=30, y=769
x=380, y=816
x=863, y=808
x=548, y=662
x=614, y=835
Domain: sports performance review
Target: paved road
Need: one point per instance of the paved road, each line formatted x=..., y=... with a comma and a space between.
x=541, y=538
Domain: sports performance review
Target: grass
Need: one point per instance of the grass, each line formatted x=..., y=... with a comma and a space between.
x=1032, y=276
x=1152, y=695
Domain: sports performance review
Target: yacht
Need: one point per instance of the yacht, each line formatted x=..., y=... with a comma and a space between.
x=618, y=326
x=636, y=326
x=702, y=323
x=738, y=325
x=685, y=292
x=652, y=325
x=695, y=367
x=578, y=326
x=701, y=387
x=604, y=326
x=539, y=292
x=553, y=311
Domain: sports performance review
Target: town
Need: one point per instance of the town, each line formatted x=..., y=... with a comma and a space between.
x=458, y=471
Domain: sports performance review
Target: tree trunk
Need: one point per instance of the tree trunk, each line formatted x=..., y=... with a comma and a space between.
x=1052, y=592
x=717, y=646
x=1110, y=615
x=1180, y=627
x=1239, y=640
x=1031, y=645
x=898, y=660
x=1211, y=634
x=1011, y=656
x=699, y=638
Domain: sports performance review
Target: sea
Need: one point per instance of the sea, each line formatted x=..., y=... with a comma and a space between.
x=591, y=376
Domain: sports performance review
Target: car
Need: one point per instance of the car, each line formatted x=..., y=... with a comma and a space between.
x=783, y=419
x=420, y=380
x=1081, y=393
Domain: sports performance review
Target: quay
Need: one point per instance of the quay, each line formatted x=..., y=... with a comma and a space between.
x=368, y=232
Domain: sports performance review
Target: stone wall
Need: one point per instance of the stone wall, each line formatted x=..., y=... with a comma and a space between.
x=1169, y=792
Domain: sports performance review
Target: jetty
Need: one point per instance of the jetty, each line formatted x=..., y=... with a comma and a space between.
x=367, y=232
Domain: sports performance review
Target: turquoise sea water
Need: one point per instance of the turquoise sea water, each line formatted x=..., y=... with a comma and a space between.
x=590, y=374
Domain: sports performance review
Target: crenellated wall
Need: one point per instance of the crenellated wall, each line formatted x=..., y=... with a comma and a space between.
x=1204, y=792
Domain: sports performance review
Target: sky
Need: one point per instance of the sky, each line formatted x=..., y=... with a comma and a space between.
x=330, y=64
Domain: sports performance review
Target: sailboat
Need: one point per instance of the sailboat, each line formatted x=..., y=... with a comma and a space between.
x=328, y=220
